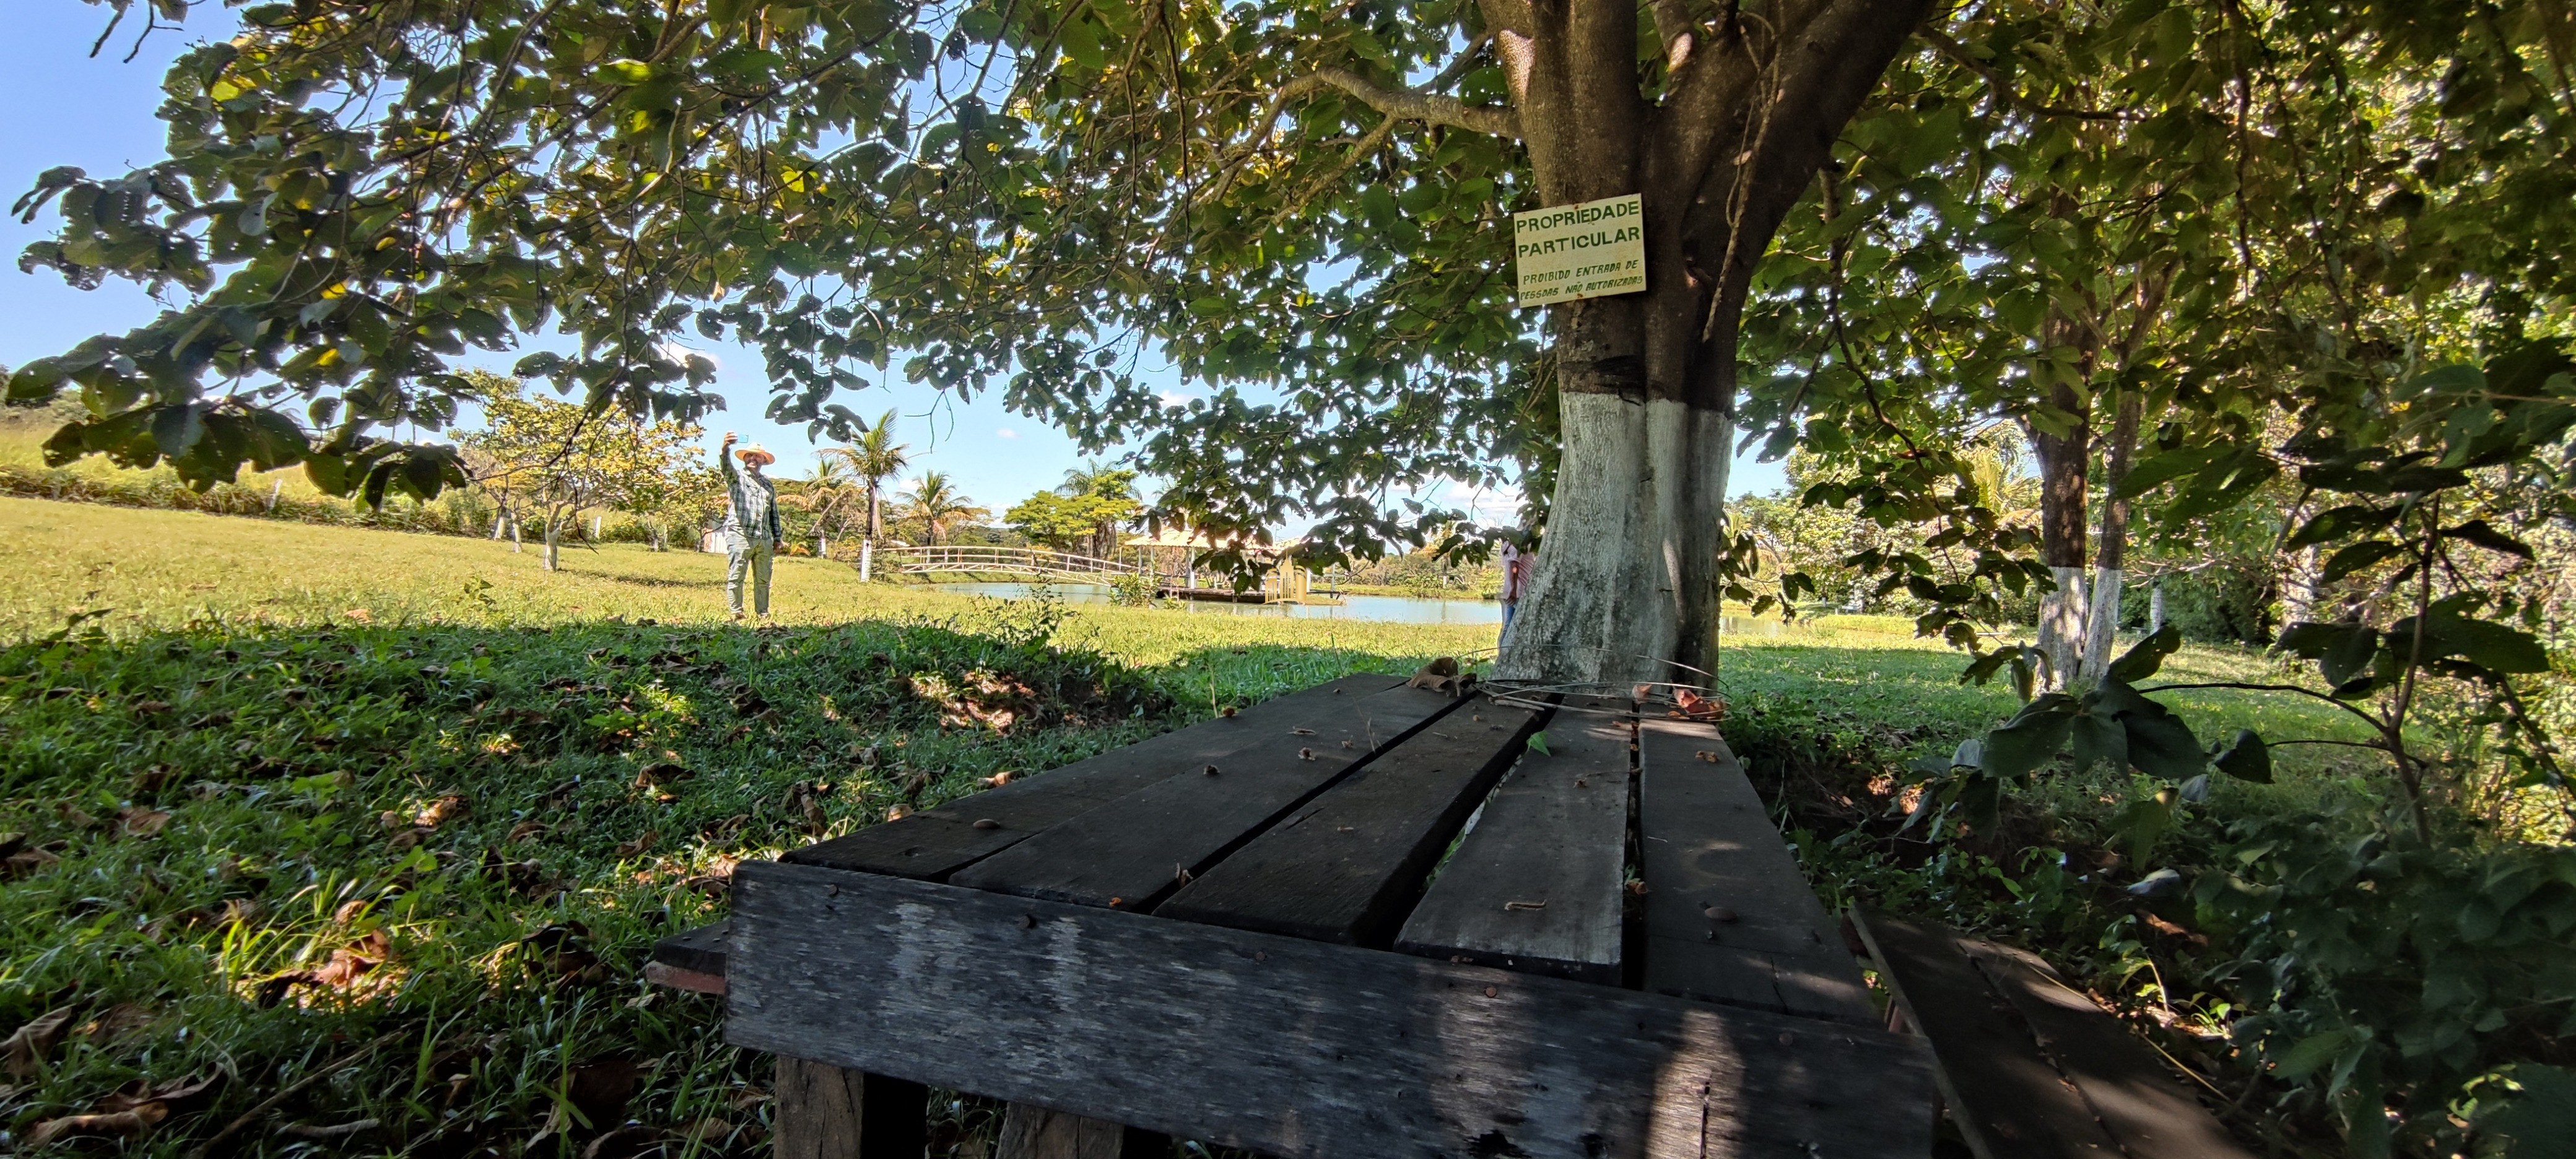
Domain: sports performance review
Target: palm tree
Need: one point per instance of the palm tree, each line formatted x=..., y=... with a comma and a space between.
x=1088, y=479
x=823, y=496
x=875, y=458
x=938, y=505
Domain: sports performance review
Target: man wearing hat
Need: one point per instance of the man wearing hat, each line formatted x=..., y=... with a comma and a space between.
x=751, y=524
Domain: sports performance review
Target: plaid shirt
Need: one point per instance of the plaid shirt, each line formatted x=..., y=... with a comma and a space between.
x=753, y=517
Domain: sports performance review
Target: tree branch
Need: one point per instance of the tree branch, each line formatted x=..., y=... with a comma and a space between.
x=1678, y=29
x=1403, y=104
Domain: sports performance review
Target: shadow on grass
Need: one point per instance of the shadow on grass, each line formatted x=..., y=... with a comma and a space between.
x=268, y=845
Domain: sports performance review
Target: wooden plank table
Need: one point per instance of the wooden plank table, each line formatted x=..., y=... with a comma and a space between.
x=1282, y=932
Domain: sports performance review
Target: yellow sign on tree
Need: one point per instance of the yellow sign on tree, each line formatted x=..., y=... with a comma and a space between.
x=1592, y=250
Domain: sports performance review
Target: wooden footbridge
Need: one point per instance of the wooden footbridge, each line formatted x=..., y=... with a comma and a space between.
x=1037, y=562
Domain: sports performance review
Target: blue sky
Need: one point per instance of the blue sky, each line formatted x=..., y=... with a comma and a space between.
x=66, y=108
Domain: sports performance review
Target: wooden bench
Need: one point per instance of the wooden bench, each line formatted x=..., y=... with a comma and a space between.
x=2029, y=1067
x=1361, y=920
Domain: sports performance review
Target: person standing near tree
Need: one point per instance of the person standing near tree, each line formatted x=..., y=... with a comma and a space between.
x=1515, y=580
x=751, y=524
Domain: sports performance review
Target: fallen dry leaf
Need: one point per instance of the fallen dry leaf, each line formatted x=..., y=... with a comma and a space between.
x=116, y=1125
x=116, y=1022
x=524, y=831
x=636, y=848
x=177, y=1096
x=441, y=811
x=347, y=965
x=141, y=822
x=599, y=1088
x=25, y=1051
x=334, y=1131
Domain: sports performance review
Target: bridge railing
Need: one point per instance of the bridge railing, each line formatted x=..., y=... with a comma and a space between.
x=1002, y=559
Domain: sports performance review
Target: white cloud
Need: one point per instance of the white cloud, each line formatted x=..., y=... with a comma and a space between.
x=1005, y=433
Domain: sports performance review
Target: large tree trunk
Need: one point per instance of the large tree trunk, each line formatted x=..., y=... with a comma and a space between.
x=1627, y=578
x=2062, y=441
x=2111, y=552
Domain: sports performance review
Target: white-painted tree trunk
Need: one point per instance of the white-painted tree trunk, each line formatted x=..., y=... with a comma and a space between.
x=500, y=524
x=2299, y=588
x=2103, y=626
x=554, y=535
x=2061, y=628
x=867, y=558
x=2156, y=606
x=1625, y=581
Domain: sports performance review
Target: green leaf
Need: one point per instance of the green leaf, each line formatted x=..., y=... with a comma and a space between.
x=623, y=72
x=2343, y=522
x=2490, y=645
x=2141, y=823
x=1538, y=743
x=2245, y=758
x=2098, y=737
x=2311, y=1054
x=2162, y=468
x=2539, y=1120
x=2031, y=737
x=2355, y=558
x=2479, y=532
x=2143, y=658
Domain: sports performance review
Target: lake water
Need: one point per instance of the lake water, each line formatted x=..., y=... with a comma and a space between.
x=1395, y=609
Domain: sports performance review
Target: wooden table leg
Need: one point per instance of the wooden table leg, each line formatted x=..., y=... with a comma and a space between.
x=1034, y=1132
x=825, y=1112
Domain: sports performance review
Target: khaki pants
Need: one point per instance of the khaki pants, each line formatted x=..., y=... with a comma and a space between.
x=748, y=559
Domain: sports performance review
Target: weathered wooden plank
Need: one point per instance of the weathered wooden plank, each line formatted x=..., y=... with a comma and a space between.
x=1030, y=1131
x=699, y=951
x=1290, y=1047
x=2138, y=1102
x=1729, y=916
x=1346, y=865
x=2005, y=1097
x=933, y=843
x=827, y=1112
x=1537, y=885
x=1134, y=851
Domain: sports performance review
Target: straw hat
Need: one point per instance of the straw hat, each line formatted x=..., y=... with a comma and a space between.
x=749, y=450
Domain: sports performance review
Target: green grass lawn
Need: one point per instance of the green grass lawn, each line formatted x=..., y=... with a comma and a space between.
x=288, y=795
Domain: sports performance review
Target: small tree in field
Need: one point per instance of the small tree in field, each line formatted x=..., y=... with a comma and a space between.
x=561, y=460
